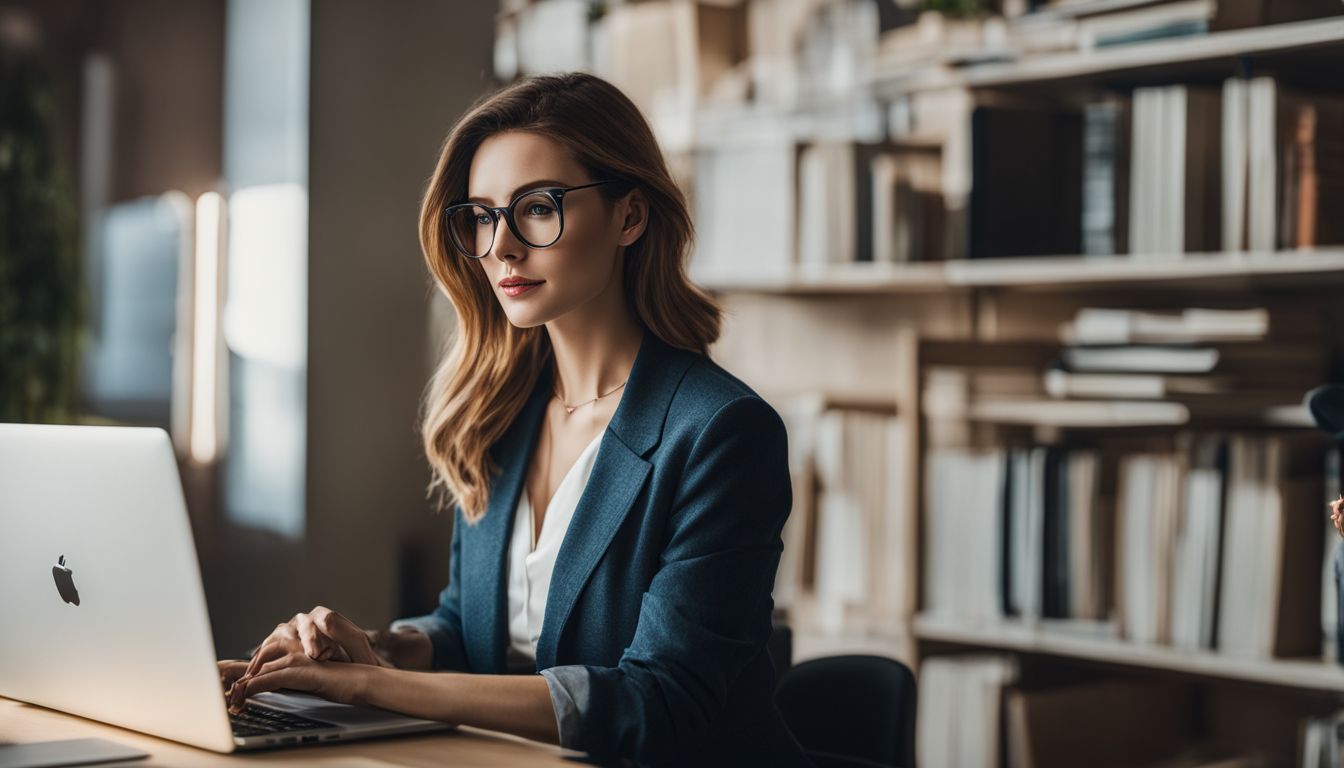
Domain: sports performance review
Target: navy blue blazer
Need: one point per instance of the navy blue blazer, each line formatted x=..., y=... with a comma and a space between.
x=654, y=637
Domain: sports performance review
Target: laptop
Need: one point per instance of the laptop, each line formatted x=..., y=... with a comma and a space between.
x=103, y=608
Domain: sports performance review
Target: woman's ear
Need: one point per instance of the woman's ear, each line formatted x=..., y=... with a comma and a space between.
x=636, y=217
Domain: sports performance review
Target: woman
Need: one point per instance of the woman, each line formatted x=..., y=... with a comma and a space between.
x=638, y=582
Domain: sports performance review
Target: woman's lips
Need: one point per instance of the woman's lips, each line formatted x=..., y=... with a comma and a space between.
x=519, y=289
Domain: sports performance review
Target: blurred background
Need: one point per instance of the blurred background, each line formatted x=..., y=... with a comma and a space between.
x=1039, y=287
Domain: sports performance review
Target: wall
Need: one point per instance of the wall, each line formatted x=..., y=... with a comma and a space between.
x=388, y=80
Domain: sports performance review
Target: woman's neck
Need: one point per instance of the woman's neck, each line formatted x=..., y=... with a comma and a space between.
x=594, y=362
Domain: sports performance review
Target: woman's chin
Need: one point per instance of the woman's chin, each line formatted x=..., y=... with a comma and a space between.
x=528, y=320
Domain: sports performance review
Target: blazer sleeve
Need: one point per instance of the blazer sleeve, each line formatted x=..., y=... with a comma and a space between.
x=707, y=611
x=444, y=624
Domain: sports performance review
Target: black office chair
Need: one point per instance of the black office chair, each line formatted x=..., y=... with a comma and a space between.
x=851, y=711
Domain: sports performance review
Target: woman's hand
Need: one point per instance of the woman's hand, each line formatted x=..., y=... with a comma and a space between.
x=1337, y=514
x=319, y=635
x=343, y=683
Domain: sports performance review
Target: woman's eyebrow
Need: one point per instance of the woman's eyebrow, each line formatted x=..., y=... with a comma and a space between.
x=519, y=188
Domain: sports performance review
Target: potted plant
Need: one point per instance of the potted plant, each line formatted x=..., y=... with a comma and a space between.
x=41, y=304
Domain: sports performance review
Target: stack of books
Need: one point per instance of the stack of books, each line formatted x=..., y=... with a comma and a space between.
x=1217, y=365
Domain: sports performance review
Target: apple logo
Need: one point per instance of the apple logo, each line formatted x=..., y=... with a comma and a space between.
x=64, y=583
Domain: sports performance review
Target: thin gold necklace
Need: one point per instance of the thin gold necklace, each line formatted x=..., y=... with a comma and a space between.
x=570, y=408
x=546, y=482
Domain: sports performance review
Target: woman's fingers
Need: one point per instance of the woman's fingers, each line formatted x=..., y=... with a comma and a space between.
x=343, y=683
x=230, y=670
x=326, y=638
x=286, y=677
x=281, y=641
x=288, y=660
x=321, y=634
x=316, y=644
x=239, y=679
x=279, y=673
x=349, y=637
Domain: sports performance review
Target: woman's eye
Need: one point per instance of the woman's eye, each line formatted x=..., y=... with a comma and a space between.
x=483, y=220
x=538, y=209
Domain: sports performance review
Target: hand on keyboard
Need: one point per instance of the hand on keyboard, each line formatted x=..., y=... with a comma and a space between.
x=301, y=649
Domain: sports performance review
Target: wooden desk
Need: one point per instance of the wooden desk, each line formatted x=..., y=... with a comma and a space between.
x=21, y=722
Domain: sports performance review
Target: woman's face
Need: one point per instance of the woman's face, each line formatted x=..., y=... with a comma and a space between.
x=583, y=267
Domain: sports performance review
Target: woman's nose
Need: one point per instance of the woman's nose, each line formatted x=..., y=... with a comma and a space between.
x=506, y=245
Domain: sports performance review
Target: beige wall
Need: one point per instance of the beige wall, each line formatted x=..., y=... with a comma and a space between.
x=388, y=80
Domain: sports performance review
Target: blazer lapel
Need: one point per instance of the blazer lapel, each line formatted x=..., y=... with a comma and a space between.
x=486, y=545
x=619, y=473
x=617, y=477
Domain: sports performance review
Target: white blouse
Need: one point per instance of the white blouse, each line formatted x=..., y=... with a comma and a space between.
x=531, y=562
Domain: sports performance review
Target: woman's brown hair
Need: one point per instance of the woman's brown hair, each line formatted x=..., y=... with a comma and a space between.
x=491, y=366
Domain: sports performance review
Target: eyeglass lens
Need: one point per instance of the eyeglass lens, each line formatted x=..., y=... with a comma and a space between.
x=534, y=214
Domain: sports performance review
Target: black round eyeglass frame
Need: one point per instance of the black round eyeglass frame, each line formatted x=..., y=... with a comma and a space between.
x=557, y=196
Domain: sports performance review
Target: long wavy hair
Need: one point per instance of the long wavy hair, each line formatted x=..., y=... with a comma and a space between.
x=491, y=366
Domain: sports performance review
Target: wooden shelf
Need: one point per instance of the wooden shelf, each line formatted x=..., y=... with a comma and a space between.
x=809, y=644
x=1017, y=636
x=1081, y=413
x=835, y=278
x=1057, y=272
x=1108, y=270
x=1120, y=59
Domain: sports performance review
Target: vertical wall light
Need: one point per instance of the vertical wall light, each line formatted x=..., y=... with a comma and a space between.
x=264, y=322
x=205, y=376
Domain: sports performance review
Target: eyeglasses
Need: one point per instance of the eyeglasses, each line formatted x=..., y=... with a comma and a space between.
x=537, y=218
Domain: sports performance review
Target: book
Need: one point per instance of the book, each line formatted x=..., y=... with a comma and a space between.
x=1081, y=413
x=1104, y=325
x=960, y=709
x=1024, y=534
x=1132, y=386
x=1271, y=599
x=1055, y=528
x=1153, y=21
x=1146, y=510
x=1193, y=359
x=962, y=566
x=908, y=215
x=1175, y=176
x=1197, y=548
x=1089, y=533
x=1331, y=638
x=1027, y=175
x=1235, y=162
x=1106, y=176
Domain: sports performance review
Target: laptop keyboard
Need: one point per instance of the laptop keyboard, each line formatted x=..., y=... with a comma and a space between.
x=258, y=721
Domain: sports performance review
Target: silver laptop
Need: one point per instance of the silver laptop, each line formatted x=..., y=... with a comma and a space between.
x=104, y=614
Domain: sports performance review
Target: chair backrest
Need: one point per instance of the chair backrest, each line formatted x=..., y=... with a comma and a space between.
x=853, y=706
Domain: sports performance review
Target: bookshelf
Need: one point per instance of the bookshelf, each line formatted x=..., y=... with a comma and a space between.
x=921, y=357
x=1222, y=50
x=1207, y=270
x=1099, y=645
